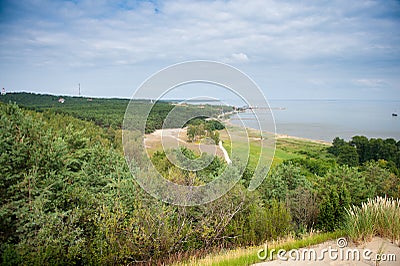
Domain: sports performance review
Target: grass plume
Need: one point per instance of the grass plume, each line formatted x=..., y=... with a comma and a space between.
x=376, y=217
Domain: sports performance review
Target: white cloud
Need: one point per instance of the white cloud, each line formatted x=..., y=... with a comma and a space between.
x=239, y=57
x=371, y=82
x=99, y=34
x=316, y=81
x=192, y=29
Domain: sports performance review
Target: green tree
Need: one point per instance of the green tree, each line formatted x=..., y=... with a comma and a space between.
x=284, y=179
x=332, y=208
x=379, y=180
x=361, y=143
x=350, y=179
x=342, y=185
x=347, y=155
x=337, y=143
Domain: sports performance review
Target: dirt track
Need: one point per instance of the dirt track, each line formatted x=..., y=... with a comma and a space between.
x=388, y=251
x=163, y=139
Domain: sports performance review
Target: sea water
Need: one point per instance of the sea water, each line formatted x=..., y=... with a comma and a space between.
x=327, y=119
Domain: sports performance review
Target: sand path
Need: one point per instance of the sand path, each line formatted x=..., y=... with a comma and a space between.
x=388, y=252
x=226, y=156
x=169, y=137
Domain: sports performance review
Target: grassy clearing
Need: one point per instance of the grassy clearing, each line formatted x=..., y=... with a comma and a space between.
x=303, y=148
x=286, y=148
x=376, y=217
x=248, y=256
x=247, y=142
x=281, y=155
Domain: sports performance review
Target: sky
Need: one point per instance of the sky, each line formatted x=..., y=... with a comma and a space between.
x=291, y=49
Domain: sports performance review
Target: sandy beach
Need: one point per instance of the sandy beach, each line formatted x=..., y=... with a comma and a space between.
x=280, y=136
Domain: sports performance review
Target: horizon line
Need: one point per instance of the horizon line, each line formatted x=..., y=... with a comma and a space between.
x=211, y=100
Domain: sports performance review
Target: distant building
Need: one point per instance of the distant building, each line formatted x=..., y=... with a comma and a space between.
x=180, y=104
x=61, y=100
x=3, y=91
x=89, y=99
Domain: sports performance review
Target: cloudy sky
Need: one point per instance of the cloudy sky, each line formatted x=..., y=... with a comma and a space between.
x=291, y=49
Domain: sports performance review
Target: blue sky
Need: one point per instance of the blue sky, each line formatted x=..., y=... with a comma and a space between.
x=291, y=49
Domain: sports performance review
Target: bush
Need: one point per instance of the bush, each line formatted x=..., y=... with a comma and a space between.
x=332, y=208
x=260, y=222
x=348, y=178
x=285, y=178
x=381, y=182
x=303, y=207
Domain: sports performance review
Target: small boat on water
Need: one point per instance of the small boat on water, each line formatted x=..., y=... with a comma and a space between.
x=394, y=114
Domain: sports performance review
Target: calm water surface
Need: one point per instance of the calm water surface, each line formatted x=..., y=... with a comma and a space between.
x=326, y=119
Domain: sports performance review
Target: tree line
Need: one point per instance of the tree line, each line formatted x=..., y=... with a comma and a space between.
x=360, y=149
x=109, y=113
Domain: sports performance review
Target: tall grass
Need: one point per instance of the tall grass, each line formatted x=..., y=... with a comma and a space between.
x=376, y=217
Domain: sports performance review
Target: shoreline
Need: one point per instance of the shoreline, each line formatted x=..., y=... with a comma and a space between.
x=280, y=135
x=284, y=136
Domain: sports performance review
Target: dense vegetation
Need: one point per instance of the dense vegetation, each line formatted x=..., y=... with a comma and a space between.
x=360, y=150
x=67, y=196
x=200, y=127
x=106, y=112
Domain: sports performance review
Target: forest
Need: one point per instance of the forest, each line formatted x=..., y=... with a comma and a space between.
x=67, y=195
x=106, y=113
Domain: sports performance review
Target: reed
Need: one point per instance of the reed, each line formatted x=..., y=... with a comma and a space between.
x=376, y=217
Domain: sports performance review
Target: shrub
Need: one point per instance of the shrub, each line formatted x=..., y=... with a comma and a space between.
x=332, y=208
x=285, y=178
x=303, y=207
